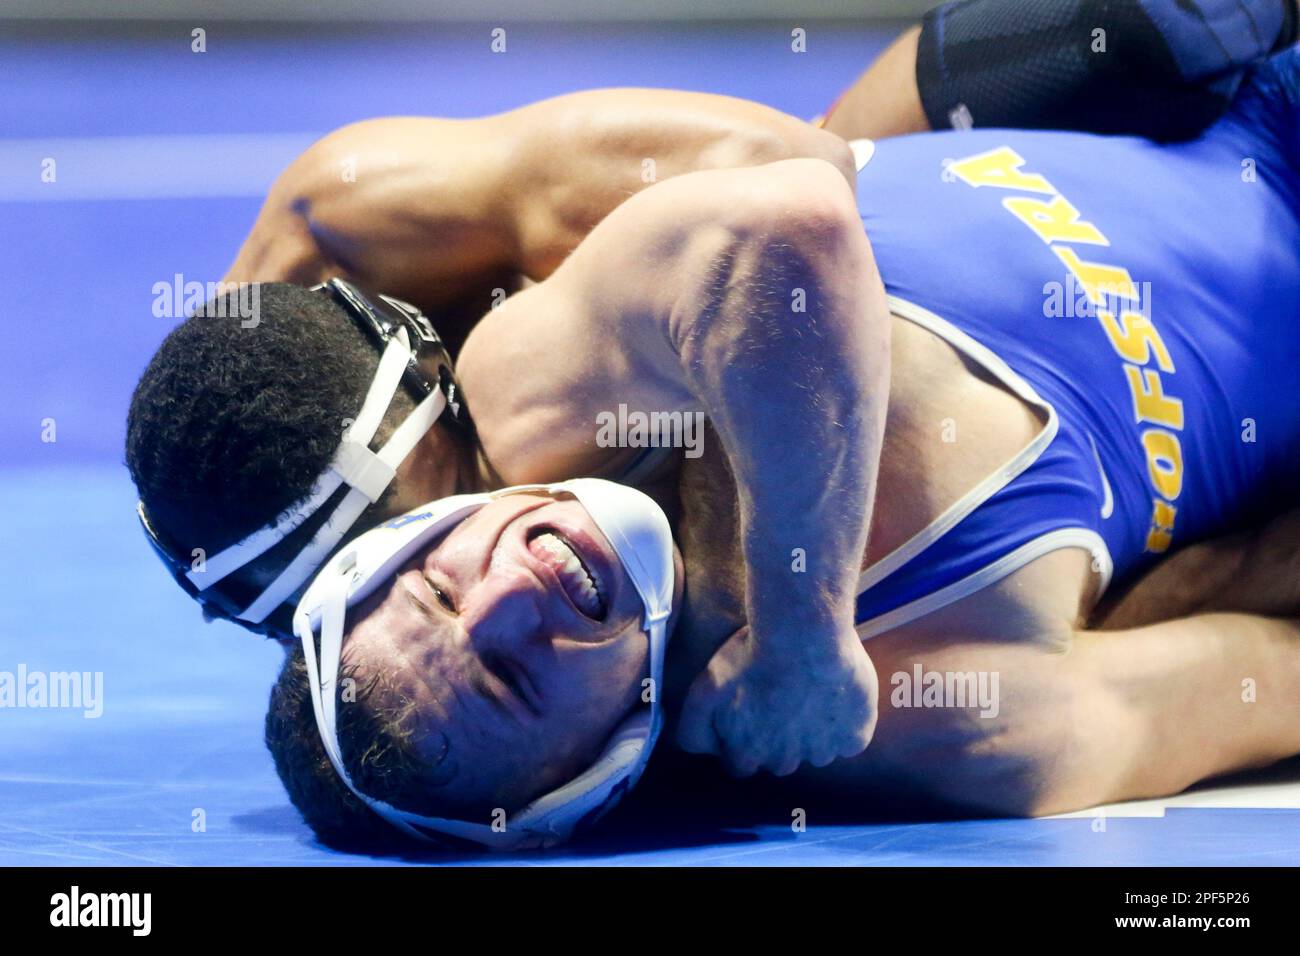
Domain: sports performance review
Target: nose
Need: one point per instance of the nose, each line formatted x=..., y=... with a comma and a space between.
x=505, y=610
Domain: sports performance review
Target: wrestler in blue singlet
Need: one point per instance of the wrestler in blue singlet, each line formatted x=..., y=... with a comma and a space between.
x=1145, y=297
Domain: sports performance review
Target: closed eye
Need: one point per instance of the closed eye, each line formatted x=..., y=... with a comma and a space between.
x=443, y=597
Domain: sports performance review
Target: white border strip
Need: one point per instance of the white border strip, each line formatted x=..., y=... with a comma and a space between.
x=999, y=369
x=992, y=573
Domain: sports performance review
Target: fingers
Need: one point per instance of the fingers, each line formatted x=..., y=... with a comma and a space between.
x=743, y=764
x=697, y=730
x=787, y=765
x=750, y=721
x=740, y=765
x=742, y=755
x=860, y=739
x=707, y=726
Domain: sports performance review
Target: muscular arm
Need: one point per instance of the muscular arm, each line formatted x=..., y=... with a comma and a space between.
x=432, y=209
x=1187, y=699
x=441, y=211
x=750, y=296
x=1103, y=717
x=1059, y=718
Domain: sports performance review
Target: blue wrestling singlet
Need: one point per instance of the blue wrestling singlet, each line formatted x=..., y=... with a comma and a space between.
x=1146, y=298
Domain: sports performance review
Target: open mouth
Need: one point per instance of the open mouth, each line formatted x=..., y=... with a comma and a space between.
x=580, y=583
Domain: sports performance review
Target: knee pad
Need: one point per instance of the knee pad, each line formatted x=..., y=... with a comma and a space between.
x=1164, y=69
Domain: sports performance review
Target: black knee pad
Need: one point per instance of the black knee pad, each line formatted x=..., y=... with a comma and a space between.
x=1164, y=69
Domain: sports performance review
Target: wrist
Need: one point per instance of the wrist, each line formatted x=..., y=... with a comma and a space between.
x=794, y=633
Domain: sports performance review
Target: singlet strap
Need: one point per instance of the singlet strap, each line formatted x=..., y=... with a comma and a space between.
x=999, y=369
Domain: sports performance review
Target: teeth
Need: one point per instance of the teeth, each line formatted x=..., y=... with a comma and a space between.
x=572, y=574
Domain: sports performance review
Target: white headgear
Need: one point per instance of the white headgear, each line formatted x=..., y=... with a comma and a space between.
x=639, y=533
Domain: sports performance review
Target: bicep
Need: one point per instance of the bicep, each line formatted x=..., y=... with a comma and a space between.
x=1200, y=696
x=407, y=205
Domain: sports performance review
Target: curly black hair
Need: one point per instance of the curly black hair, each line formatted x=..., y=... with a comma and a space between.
x=234, y=420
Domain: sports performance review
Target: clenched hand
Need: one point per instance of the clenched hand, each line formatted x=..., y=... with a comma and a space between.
x=760, y=710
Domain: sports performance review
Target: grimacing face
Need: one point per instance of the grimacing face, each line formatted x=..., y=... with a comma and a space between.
x=517, y=636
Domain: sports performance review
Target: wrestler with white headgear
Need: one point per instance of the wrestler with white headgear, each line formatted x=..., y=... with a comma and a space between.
x=603, y=548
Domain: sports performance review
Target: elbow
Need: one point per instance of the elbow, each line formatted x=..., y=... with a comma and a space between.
x=807, y=206
x=819, y=230
x=818, y=144
x=806, y=240
x=762, y=146
x=1060, y=748
x=836, y=151
x=787, y=261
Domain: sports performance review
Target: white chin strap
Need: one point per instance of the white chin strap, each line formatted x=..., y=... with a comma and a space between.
x=639, y=533
x=366, y=473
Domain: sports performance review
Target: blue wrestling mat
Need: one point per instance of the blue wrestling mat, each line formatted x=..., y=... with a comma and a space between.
x=162, y=155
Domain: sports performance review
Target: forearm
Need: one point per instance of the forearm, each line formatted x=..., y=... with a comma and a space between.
x=786, y=346
x=1188, y=699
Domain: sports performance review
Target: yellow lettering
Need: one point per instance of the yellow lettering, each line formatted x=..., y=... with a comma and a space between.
x=1055, y=221
x=1164, y=461
x=1162, y=516
x=1098, y=280
x=1001, y=168
x=1150, y=404
x=1158, y=540
x=1135, y=338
